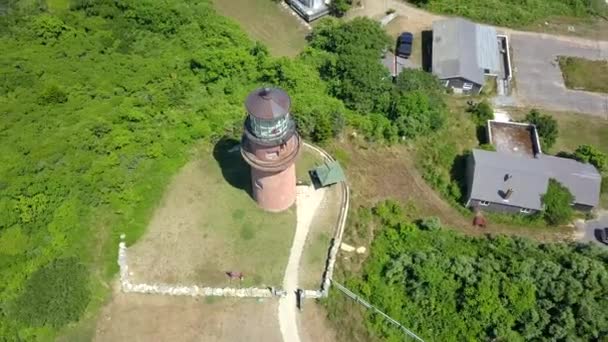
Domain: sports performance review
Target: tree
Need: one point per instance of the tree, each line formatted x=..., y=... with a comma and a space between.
x=558, y=203
x=590, y=154
x=413, y=114
x=546, y=126
x=339, y=7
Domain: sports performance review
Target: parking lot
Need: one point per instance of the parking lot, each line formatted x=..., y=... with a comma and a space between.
x=538, y=78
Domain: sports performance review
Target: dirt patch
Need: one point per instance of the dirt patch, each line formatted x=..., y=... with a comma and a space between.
x=314, y=326
x=133, y=317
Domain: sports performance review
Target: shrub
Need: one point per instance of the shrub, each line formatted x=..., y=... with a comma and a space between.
x=52, y=95
x=546, y=126
x=590, y=154
x=339, y=7
x=558, y=203
x=604, y=188
x=54, y=295
x=487, y=147
x=482, y=112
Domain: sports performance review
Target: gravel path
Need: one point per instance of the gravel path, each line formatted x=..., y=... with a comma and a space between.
x=308, y=201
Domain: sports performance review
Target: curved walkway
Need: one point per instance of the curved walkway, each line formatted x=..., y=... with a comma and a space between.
x=307, y=202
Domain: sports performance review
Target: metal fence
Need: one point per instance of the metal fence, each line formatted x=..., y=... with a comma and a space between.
x=363, y=302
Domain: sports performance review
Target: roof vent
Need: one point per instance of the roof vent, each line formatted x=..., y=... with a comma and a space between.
x=265, y=93
x=507, y=177
x=508, y=194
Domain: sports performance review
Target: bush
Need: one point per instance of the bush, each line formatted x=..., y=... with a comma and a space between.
x=482, y=112
x=54, y=295
x=52, y=95
x=591, y=155
x=558, y=203
x=339, y=7
x=546, y=126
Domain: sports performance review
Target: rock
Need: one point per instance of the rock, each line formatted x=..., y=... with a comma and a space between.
x=346, y=247
x=361, y=250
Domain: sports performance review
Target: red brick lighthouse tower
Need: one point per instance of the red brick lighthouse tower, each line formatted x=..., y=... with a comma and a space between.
x=270, y=145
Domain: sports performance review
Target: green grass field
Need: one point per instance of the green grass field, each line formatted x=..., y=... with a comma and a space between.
x=584, y=74
x=266, y=21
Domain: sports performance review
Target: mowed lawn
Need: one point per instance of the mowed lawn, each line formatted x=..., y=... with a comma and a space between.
x=208, y=224
x=584, y=74
x=268, y=22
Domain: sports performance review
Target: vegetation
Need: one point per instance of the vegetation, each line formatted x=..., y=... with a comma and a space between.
x=546, y=127
x=584, y=74
x=54, y=295
x=482, y=112
x=591, y=155
x=347, y=54
x=557, y=202
x=339, y=7
x=450, y=287
x=515, y=13
x=100, y=105
x=260, y=20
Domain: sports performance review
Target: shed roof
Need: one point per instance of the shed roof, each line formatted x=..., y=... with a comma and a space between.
x=329, y=173
x=464, y=49
x=529, y=178
x=268, y=103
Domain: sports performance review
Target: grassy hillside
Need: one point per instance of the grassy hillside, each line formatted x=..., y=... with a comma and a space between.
x=100, y=105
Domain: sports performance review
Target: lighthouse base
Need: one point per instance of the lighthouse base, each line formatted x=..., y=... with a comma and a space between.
x=274, y=191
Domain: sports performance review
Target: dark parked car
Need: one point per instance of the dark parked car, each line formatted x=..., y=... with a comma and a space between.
x=404, y=44
x=602, y=235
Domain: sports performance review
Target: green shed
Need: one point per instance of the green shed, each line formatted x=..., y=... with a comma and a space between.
x=328, y=173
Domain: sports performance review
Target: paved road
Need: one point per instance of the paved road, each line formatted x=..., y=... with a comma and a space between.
x=588, y=229
x=538, y=78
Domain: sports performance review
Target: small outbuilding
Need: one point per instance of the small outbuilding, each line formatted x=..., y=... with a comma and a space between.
x=328, y=174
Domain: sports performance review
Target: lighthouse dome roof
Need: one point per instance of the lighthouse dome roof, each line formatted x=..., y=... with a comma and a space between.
x=268, y=103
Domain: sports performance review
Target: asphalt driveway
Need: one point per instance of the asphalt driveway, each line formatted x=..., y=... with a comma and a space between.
x=538, y=78
x=588, y=234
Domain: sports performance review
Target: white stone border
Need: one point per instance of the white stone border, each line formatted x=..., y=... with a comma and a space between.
x=179, y=290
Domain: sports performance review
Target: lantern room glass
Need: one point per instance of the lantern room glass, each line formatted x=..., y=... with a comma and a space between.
x=269, y=129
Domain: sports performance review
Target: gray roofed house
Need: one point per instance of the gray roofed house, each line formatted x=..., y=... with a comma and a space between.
x=513, y=183
x=463, y=53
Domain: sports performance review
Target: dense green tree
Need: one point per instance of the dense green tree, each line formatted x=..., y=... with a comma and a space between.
x=358, y=36
x=414, y=115
x=546, y=126
x=590, y=154
x=557, y=202
x=447, y=286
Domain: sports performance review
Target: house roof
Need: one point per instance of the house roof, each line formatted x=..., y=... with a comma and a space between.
x=268, y=103
x=329, y=173
x=464, y=49
x=529, y=178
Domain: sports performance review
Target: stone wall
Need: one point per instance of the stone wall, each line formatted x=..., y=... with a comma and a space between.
x=190, y=290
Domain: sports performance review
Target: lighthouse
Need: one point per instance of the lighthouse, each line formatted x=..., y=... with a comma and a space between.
x=270, y=145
